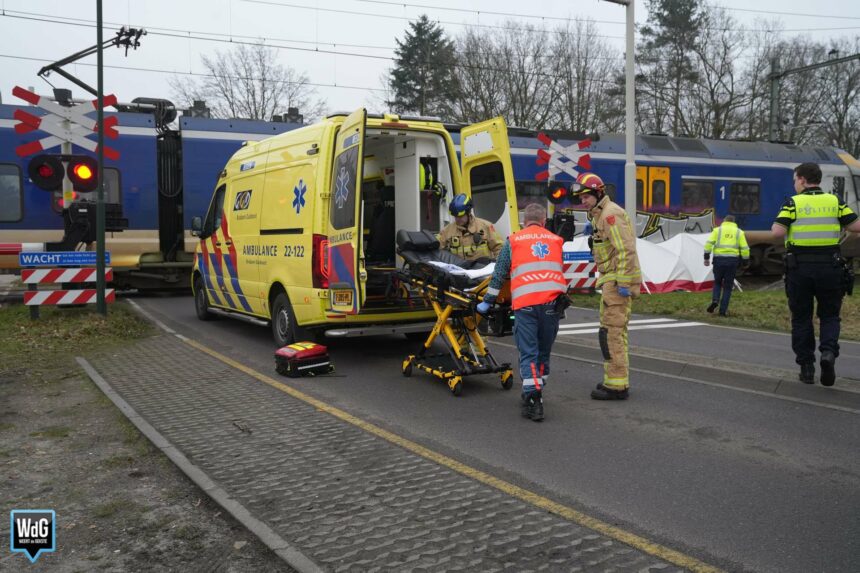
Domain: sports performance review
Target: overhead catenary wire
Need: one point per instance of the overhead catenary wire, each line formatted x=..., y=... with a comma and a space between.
x=189, y=73
x=437, y=65
x=468, y=24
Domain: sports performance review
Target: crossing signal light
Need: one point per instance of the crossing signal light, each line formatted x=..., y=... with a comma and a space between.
x=46, y=172
x=83, y=173
x=557, y=193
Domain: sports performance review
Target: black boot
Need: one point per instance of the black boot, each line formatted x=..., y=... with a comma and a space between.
x=712, y=307
x=828, y=368
x=537, y=411
x=807, y=373
x=604, y=393
x=528, y=404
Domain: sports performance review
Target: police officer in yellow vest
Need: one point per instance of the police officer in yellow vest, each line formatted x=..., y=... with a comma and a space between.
x=468, y=236
x=811, y=223
x=729, y=245
x=614, y=249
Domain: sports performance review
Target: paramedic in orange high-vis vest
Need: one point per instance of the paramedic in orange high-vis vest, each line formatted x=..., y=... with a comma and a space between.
x=533, y=259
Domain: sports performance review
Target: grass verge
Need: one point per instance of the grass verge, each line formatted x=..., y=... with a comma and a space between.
x=765, y=310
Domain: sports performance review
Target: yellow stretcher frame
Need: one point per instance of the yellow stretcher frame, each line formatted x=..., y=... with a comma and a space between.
x=457, y=325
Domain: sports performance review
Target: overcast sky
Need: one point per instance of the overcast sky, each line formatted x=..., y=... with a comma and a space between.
x=34, y=33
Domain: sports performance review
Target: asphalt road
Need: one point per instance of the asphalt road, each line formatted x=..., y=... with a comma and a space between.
x=741, y=480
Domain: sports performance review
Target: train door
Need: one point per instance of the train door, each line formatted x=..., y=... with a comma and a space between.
x=347, y=274
x=652, y=188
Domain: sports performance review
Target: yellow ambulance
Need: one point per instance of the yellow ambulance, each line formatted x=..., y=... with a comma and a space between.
x=300, y=232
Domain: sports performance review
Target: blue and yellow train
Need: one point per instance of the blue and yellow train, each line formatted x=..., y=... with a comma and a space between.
x=165, y=176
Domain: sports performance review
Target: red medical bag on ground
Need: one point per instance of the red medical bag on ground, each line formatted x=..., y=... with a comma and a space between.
x=302, y=359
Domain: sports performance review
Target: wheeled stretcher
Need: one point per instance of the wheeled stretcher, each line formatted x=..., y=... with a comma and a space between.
x=452, y=288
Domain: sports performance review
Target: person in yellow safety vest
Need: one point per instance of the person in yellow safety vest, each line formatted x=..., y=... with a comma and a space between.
x=729, y=245
x=614, y=250
x=533, y=258
x=811, y=223
x=468, y=236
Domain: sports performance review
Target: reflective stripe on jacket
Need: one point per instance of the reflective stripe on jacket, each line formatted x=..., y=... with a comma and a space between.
x=614, y=244
x=816, y=221
x=537, y=275
x=728, y=240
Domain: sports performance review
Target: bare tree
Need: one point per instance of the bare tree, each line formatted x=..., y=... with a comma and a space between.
x=717, y=97
x=248, y=82
x=586, y=66
x=480, y=71
x=840, y=112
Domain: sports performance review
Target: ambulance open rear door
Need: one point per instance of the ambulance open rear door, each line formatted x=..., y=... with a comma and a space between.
x=346, y=265
x=488, y=175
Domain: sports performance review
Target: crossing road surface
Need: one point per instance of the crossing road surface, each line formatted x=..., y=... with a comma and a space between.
x=746, y=480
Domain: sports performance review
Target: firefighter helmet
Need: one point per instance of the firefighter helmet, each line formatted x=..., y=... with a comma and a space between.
x=460, y=205
x=587, y=183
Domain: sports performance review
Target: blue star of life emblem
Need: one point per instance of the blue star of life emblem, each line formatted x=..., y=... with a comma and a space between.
x=299, y=191
x=540, y=250
x=341, y=188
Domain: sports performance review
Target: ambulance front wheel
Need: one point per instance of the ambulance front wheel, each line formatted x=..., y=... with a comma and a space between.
x=283, y=321
x=201, y=303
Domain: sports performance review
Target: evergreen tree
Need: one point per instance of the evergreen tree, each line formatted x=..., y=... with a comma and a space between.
x=423, y=79
x=666, y=53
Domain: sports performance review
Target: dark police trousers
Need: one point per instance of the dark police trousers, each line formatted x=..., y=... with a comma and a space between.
x=725, y=269
x=820, y=281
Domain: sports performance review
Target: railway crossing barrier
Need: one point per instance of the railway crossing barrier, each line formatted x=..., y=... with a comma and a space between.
x=67, y=275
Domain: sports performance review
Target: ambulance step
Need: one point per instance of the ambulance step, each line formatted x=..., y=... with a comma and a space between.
x=376, y=330
x=246, y=318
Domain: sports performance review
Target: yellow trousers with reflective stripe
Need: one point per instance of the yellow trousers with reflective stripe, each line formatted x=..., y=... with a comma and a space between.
x=614, y=316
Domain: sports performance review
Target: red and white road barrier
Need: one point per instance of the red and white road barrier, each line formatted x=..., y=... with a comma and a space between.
x=83, y=296
x=580, y=275
x=18, y=248
x=43, y=276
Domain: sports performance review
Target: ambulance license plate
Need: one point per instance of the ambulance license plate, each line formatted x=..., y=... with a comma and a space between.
x=343, y=297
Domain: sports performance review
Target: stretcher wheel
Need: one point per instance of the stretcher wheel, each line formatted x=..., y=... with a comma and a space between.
x=507, y=380
x=457, y=388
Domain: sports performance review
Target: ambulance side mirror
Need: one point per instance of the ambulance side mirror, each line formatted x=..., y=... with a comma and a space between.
x=196, y=226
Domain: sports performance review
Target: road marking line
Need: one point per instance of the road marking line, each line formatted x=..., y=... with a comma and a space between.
x=645, y=321
x=634, y=327
x=706, y=383
x=636, y=541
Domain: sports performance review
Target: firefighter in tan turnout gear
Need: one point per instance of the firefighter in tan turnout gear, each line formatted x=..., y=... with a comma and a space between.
x=468, y=236
x=614, y=249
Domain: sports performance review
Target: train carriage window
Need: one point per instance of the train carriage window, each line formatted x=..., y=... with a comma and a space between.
x=744, y=198
x=658, y=193
x=612, y=191
x=640, y=194
x=530, y=192
x=839, y=188
x=11, y=194
x=697, y=195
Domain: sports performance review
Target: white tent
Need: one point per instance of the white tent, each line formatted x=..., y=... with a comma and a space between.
x=676, y=264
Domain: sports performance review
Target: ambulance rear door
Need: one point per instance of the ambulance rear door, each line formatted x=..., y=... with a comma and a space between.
x=346, y=264
x=488, y=175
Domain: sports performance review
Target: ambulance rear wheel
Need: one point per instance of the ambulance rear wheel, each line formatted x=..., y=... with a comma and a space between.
x=201, y=303
x=283, y=321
